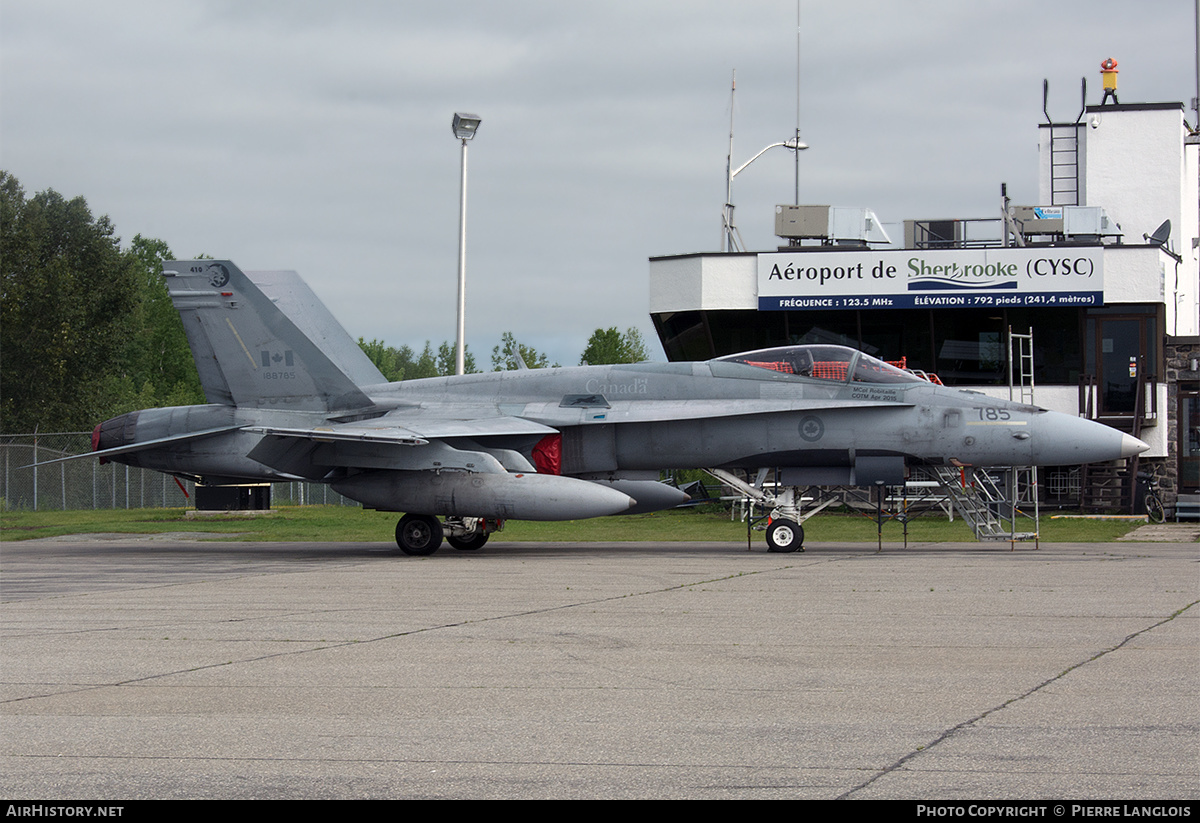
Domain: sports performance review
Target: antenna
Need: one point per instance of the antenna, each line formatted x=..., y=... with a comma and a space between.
x=727, y=227
x=1160, y=236
x=797, y=101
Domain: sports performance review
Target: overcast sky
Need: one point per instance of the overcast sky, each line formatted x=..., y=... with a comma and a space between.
x=315, y=135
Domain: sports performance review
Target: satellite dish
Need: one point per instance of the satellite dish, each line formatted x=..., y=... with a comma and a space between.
x=1161, y=235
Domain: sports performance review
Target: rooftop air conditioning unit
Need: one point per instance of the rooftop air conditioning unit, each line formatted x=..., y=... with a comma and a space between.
x=838, y=224
x=1066, y=221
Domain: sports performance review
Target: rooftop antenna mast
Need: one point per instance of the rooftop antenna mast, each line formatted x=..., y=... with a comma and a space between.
x=797, y=153
x=731, y=238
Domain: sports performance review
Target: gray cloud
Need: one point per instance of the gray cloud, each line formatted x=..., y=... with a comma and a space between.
x=316, y=136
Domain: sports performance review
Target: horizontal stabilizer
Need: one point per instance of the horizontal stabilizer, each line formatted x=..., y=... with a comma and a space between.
x=142, y=446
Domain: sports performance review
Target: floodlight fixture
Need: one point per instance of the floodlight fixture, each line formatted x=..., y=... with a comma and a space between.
x=465, y=125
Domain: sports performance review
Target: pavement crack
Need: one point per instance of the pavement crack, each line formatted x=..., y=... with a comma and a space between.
x=967, y=724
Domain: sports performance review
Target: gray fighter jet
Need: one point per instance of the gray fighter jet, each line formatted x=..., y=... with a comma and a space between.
x=292, y=397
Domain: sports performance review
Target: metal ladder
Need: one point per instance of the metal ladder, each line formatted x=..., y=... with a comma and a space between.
x=1024, y=479
x=988, y=508
x=1064, y=165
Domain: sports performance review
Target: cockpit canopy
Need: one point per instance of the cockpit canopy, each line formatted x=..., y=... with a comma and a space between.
x=834, y=363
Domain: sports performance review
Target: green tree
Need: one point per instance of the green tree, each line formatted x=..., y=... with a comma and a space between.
x=66, y=296
x=426, y=365
x=504, y=356
x=403, y=364
x=446, y=360
x=390, y=361
x=157, y=360
x=607, y=346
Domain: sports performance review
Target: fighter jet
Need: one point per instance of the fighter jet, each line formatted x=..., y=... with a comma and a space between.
x=291, y=397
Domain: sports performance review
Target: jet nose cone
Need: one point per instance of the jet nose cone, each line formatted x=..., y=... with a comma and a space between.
x=1065, y=440
x=1131, y=446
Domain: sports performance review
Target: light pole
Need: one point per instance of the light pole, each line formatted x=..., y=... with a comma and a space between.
x=465, y=126
x=732, y=240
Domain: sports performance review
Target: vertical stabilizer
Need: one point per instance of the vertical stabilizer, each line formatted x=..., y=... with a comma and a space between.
x=297, y=301
x=248, y=352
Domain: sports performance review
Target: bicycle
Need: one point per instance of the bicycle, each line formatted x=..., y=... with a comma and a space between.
x=1155, y=511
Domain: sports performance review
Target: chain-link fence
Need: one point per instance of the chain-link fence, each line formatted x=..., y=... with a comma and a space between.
x=88, y=484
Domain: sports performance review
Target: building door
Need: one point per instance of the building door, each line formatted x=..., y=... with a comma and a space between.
x=1189, y=441
x=1119, y=361
x=1122, y=354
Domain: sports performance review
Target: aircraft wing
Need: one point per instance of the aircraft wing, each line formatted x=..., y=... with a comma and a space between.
x=389, y=435
x=414, y=433
x=382, y=444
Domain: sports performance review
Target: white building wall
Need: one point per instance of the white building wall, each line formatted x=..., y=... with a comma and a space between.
x=1143, y=170
x=1138, y=164
x=1135, y=168
x=715, y=281
x=1136, y=275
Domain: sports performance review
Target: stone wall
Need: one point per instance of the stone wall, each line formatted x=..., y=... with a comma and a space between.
x=1181, y=354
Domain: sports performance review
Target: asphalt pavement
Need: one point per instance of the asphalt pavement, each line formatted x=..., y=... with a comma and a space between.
x=168, y=667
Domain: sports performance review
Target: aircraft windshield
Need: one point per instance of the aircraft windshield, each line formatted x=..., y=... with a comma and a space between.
x=834, y=363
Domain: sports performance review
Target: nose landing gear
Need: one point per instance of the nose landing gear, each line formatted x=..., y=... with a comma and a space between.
x=784, y=532
x=785, y=536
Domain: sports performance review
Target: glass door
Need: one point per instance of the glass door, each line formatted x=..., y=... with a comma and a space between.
x=1122, y=352
x=1119, y=358
x=1189, y=441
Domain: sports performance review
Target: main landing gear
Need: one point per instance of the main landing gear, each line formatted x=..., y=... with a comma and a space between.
x=421, y=535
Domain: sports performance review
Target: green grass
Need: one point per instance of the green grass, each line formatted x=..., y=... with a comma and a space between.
x=320, y=524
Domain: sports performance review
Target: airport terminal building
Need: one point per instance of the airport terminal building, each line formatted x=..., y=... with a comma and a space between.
x=1100, y=276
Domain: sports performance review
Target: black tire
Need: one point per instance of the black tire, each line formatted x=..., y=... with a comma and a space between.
x=468, y=542
x=419, y=535
x=1154, y=509
x=785, y=536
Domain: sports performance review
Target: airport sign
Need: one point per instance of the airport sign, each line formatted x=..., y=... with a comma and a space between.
x=930, y=278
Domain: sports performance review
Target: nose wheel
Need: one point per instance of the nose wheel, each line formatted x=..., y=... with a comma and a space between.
x=785, y=536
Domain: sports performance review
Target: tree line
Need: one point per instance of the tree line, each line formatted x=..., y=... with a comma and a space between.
x=88, y=332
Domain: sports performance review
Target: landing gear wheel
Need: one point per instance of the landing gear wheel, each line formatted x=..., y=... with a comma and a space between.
x=468, y=542
x=418, y=534
x=785, y=536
